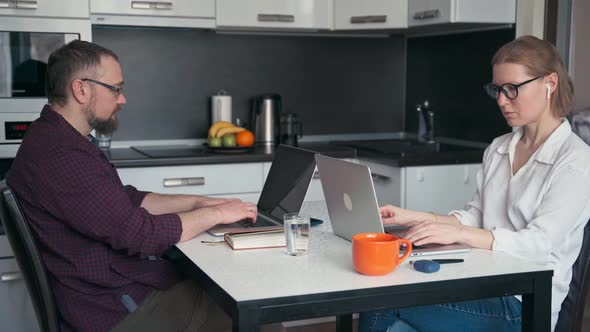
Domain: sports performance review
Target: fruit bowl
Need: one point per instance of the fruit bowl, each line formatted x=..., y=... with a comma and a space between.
x=232, y=149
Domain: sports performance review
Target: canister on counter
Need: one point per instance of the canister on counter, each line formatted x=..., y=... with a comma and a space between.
x=221, y=107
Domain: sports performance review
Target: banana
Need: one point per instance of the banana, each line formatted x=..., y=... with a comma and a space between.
x=218, y=125
x=228, y=130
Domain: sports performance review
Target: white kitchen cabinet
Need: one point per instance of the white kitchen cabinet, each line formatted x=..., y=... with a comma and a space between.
x=16, y=308
x=275, y=14
x=370, y=14
x=387, y=181
x=426, y=12
x=315, y=192
x=168, y=13
x=45, y=8
x=243, y=180
x=438, y=189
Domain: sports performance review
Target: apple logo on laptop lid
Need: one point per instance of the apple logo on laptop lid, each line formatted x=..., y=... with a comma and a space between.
x=347, y=201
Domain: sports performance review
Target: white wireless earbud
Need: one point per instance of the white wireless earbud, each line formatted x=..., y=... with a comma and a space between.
x=548, y=90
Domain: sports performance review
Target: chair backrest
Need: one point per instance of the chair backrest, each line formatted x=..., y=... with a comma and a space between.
x=29, y=260
x=571, y=316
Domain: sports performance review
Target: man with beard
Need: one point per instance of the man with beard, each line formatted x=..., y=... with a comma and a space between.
x=100, y=240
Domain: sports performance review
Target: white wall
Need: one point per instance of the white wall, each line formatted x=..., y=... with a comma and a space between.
x=580, y=53
x=530, y=18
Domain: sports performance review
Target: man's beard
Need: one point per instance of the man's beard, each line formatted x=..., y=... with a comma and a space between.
x=105, y=126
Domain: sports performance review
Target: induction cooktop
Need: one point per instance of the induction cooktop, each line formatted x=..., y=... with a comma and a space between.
x=175, y=151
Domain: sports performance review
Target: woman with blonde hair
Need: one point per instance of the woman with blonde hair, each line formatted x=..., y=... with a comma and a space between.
x=532, y=198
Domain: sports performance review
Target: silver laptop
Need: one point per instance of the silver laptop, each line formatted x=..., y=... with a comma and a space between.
x=352, y=204
x=284, y=190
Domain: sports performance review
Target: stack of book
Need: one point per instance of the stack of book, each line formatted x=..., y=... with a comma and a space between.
x=256, y=239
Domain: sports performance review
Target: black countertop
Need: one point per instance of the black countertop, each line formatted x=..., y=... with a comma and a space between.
x=400, y=153
x=201, y=155
x=407, y=152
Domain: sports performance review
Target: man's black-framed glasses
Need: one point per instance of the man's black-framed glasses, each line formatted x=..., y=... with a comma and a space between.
x=508, y=89
x=117, y=90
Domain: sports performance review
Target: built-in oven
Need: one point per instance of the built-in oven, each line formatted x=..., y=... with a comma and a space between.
x=25, y=46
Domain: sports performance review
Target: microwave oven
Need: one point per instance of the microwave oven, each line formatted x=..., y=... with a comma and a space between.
x=25, y=46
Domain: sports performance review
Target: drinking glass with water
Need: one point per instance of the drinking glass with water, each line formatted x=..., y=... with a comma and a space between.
x=103, y=140
x=297, y=233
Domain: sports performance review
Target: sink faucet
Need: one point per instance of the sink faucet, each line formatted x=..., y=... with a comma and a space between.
x=425, y=122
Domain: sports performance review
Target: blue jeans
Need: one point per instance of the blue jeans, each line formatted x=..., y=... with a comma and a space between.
x=494, y=315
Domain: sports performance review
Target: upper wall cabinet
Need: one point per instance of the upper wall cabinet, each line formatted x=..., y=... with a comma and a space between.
x=45, y=8
x=370, y=14
x=167, y=13
x=426, y=12
x=275, y=14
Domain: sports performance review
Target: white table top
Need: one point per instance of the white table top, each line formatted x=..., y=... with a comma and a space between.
x=268, y=273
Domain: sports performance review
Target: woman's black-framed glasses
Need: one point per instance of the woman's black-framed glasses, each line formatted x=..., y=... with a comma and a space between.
x=508, y=89
x=117, y=90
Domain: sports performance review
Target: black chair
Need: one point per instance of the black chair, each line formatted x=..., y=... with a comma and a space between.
x=571, y=316
x=29, y=260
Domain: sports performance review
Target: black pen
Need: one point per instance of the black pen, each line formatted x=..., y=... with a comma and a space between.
x=445, y=261
x=448, y=261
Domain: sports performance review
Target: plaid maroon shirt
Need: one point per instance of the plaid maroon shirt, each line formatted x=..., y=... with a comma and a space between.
x=95, y=239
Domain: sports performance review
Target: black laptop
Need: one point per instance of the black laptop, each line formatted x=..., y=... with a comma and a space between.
x=283, y=192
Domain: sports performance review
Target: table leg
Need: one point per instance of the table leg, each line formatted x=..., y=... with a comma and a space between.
x=344, y=323
x=536, y=307
x=244, y=323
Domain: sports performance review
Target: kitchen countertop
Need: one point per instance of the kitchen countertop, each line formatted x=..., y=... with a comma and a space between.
x=200, y=155
x=399, y=152
x=408, y=152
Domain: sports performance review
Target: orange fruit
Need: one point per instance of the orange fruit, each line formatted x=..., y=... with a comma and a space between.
x=245, y=138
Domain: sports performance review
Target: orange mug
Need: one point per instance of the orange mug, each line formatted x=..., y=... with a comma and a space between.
x=377, y=254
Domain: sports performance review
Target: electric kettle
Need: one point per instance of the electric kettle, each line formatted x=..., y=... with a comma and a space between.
x=265, y=117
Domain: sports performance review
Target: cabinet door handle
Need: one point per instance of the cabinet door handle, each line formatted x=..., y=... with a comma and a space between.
x=18, y=4
x=287, y=18
x=427, y=14
x=379, y=177
x=151, y=5
x=267, y=18
x=142, y=5
x=11, y=276
x=26, y=4
x=182, y=182
x=164, y=5
x=368, y=19
x=276, y=18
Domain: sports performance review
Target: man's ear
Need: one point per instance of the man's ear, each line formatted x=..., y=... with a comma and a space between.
x=80, y=91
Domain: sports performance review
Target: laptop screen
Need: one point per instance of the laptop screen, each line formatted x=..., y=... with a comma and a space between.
x=287, y=182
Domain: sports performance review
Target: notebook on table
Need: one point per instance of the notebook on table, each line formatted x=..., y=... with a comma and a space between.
x=284, y=190
x=353, y=208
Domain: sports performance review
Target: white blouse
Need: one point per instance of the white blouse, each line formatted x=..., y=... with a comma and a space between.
x=539, y=213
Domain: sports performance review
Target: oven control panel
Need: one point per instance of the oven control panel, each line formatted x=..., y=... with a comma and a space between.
x=16, y=129
x=13, y=126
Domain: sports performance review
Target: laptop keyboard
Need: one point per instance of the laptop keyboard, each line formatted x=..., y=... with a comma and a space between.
x=260, y=222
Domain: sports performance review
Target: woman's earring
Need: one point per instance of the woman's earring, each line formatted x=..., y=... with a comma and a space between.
x=548, y=90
